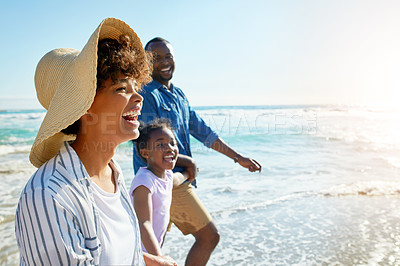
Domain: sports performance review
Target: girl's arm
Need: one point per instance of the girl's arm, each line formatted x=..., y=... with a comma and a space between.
x=179, y=178
x=144, y=210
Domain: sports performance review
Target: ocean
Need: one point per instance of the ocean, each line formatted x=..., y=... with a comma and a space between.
x=328, y=193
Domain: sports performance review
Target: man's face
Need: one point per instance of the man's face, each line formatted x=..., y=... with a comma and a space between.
x=163, y=62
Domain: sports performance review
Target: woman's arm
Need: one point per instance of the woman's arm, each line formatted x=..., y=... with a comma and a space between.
x=144, y=209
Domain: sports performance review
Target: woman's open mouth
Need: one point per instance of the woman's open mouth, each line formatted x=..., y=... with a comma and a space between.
x=131, y=116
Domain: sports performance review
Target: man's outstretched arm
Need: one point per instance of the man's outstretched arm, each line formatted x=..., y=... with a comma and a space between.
x=220, y=146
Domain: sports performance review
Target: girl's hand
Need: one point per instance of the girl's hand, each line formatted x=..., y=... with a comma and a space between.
x=158, y=260
x=166, y=260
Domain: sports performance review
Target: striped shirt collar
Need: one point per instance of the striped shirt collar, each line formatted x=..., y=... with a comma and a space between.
x=73, y=164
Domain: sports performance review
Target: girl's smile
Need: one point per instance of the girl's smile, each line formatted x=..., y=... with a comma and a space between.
x=161, y=152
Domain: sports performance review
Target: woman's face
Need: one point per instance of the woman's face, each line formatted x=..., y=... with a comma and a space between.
x=115, y=109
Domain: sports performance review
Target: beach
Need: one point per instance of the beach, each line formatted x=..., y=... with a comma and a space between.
x=328, y=193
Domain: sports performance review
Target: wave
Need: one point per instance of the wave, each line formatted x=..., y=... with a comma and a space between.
x=236, y=114
x=393, y=161
x=6, y=218
x=8, y=149
x=262, y=204
x=367, y=188
x=9, y=140
x=22, y=116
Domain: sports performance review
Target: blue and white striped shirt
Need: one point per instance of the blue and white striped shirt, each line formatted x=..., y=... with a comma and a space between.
x=57, y=223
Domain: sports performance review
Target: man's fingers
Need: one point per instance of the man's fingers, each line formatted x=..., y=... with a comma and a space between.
x=255, y=166
x=258, y=165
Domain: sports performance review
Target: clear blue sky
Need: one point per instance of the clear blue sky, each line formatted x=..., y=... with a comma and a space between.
x=227, y=52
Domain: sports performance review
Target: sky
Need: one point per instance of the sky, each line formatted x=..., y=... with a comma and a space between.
x=227, y=52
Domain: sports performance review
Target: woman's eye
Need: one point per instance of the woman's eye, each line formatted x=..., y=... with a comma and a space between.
x=122, y=89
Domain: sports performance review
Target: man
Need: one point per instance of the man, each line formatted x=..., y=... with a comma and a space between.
x=163, y=99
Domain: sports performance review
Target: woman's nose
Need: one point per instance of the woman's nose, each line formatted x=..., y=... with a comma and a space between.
x=136, y=97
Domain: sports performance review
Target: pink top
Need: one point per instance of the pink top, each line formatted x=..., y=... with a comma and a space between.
x=161, y=196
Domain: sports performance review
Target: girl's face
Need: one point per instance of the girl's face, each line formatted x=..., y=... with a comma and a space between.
x=161, y=152
x=115, y=110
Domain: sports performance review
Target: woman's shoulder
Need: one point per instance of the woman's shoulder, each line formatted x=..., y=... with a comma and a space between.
x=52, y=182
x=43, y=177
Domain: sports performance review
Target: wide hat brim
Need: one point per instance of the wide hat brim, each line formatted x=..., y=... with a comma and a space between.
x=65, y=81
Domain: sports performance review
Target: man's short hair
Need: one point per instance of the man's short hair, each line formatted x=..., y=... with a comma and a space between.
x=156, y=39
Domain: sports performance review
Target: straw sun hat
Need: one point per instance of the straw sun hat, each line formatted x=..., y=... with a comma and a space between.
x=65, y=82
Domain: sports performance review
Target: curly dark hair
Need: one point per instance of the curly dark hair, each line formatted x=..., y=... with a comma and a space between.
x=114, y=57
x=145, y=130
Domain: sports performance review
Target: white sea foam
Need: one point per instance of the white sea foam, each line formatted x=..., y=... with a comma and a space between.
x=393, y=161
x=260, y=204
x=9, y=149
x=15, y=141
x=22, y=116
x=370, y=188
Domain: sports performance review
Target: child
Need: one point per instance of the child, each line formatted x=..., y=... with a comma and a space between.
x=151, y=189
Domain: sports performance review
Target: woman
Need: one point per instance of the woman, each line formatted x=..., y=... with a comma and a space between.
x=75, y=209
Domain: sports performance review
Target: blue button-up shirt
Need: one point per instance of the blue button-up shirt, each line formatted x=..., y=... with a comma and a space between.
x=159, y=102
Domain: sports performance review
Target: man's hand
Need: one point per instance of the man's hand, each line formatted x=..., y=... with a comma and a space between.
x=249, y=163
x=190, y=164
x=220, y=146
